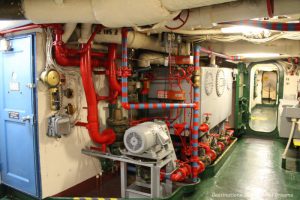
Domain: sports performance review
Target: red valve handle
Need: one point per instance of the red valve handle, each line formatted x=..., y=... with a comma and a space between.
x=179, y=17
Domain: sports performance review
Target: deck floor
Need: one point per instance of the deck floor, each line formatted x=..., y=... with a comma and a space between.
x=252, y=172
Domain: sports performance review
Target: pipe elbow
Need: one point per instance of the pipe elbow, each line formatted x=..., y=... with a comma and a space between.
x=107, y=136
x=114, y=84
x=126, y=106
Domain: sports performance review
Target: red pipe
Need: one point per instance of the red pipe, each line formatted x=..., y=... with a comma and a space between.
x=64, y=56
x=114, y=85
x=270, y=8
x=107, y=136
x=27, y=27
x=181, y=173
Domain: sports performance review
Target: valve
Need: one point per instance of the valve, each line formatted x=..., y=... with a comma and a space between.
x=179, y=128
x=181, y=173
x=204, y=127
x=207, y=116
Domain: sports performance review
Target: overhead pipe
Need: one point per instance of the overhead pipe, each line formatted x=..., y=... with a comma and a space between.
x=136, y=40
x=139, y=13
x=233, y=58
x=205, y=17
x=24, y=28
x=71, y=57
x=275, y=26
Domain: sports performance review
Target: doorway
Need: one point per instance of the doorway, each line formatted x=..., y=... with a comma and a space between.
x=264, y=96
x=18, y=136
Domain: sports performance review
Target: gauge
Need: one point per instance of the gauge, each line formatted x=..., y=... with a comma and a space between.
x=209, y=83
x=220, y=82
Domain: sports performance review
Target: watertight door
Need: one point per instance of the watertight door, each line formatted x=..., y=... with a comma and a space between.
x=18, y=137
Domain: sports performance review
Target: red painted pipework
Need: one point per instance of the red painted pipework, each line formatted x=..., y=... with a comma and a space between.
x=204, y=127
x=208, y=151
x=181, y=173
x=270, y=8
x=107, y=136
x=68, y=57
x=27, y=27
x=114, y=84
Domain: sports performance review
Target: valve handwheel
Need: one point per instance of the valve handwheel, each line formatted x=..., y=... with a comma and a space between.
x=182, y=17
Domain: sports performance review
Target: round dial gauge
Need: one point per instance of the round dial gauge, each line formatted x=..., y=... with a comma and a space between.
x=220, y=82
x=209, y=83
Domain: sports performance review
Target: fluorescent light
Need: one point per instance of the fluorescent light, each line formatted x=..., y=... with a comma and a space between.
x=243, y=29
x=7, y=24
x=259, y=55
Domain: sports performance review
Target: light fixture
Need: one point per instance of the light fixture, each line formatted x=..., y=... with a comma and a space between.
x=258, y=55
x=7, y=24
x=246, y=30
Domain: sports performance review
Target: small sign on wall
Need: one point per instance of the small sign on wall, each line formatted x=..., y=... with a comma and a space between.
x=14, y=86
x=13, y=115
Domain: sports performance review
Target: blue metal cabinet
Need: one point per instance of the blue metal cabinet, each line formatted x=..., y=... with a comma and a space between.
x=18, y=135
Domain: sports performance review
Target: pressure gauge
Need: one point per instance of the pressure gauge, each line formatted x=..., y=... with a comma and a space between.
x=50, y=77
x=208, y=83
x=220, y=82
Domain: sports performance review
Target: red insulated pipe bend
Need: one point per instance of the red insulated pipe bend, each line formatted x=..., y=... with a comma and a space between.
x=69, y=57
x=113, y=82
x=107, y=136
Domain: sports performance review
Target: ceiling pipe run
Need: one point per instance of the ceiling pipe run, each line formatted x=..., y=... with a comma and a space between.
x=207, y=17
x=112, y=13
x=275, y=26
x=137, y=40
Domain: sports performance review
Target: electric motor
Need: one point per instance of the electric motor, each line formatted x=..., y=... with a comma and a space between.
x=140, y=138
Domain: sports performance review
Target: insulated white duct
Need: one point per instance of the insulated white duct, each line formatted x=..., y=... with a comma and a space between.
x=205, y=17
x=85, y=32
x=110, y=13
x=146, y=59
x=68, y=30
x=135, y=40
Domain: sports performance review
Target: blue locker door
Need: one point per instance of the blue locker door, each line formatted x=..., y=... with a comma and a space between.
x=17, y=128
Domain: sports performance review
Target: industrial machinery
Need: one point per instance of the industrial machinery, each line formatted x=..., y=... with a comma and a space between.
x=289, y=127
x=164, y=121
x=148, y=140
